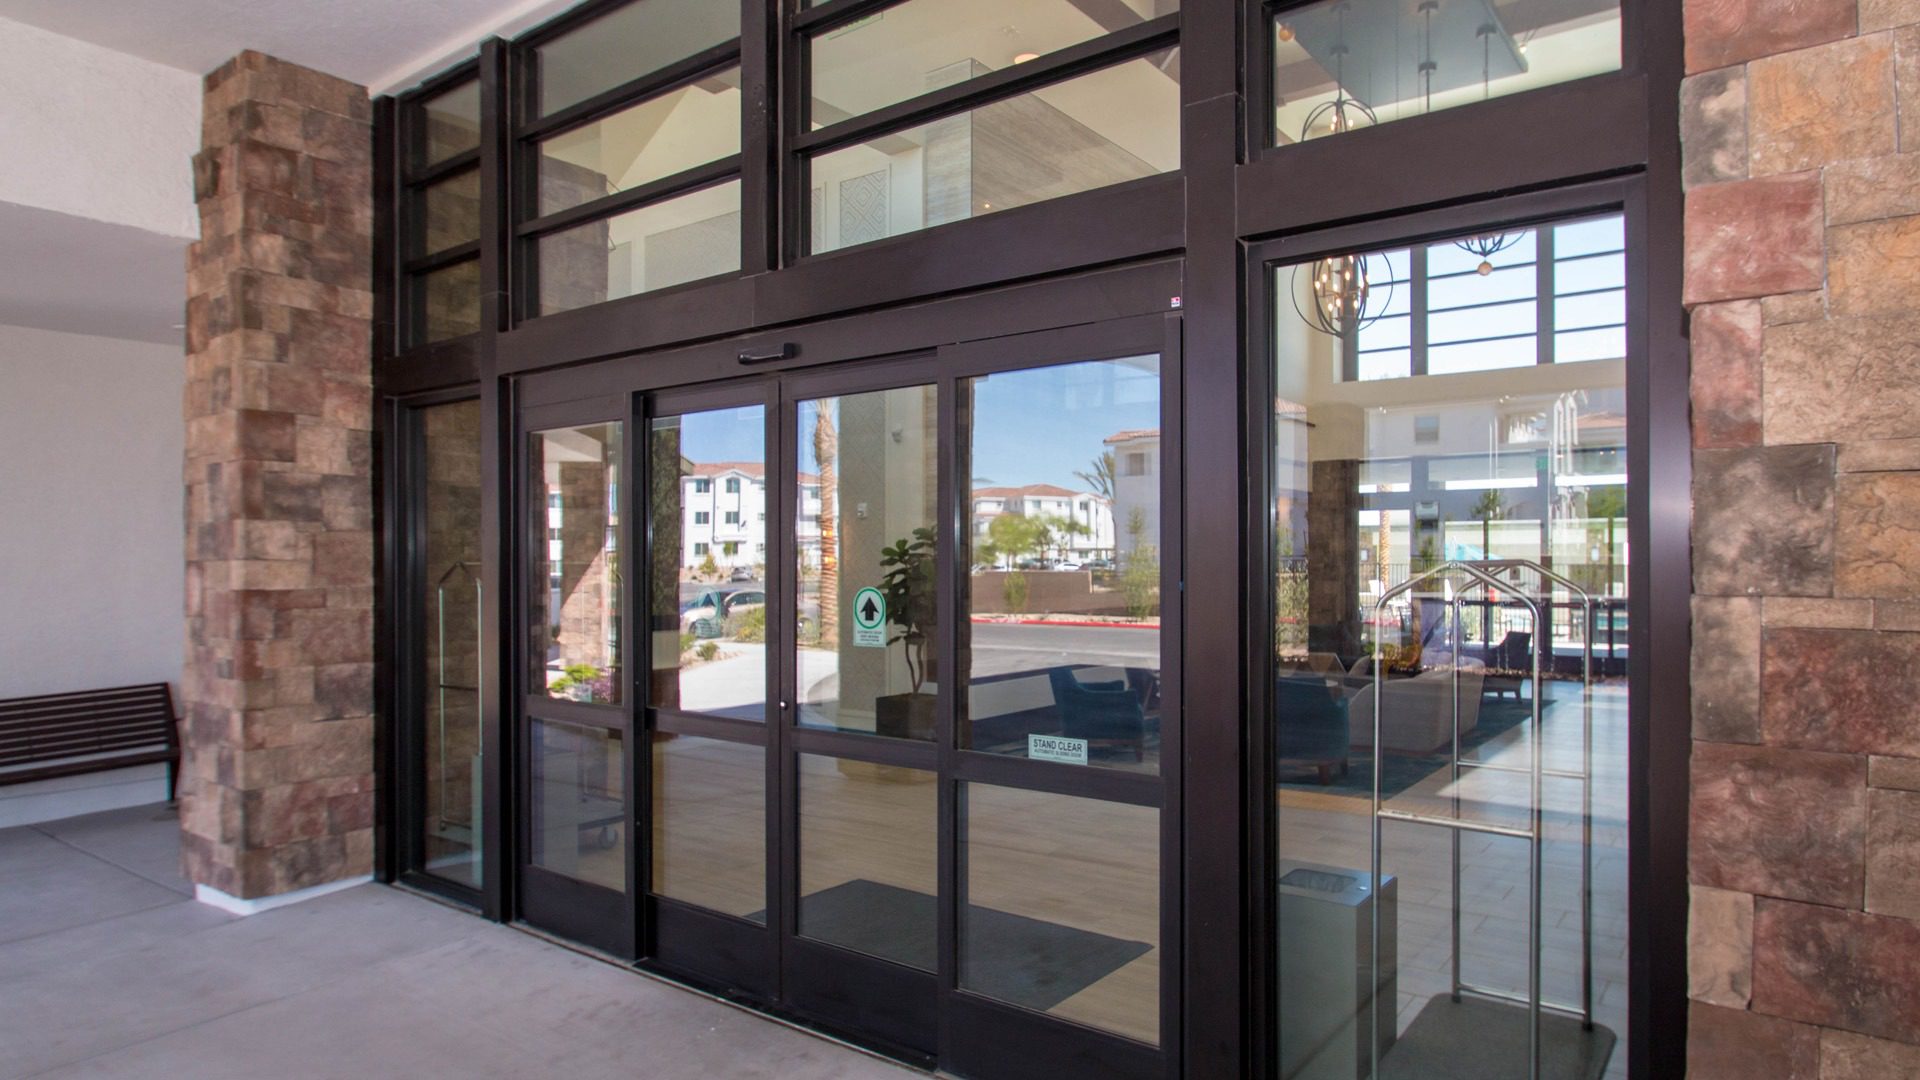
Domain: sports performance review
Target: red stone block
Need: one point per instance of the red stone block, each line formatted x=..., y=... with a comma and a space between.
x=1841, y=969
x=1851, y=691
x=1730, y=1044
x=1755, y=238
x=1779, y=822
x=1722, y=32
x=1726, y=374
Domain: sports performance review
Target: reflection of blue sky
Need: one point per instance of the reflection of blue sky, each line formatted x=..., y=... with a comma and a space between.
x=1034, y=426
x=724, y=435
x=1039, y=425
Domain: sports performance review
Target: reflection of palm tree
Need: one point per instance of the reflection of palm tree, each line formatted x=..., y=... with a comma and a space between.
x=826, y=448
x=1100, y=476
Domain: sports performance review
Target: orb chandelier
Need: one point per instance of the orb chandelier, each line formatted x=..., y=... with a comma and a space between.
x=1487, y=247
x=1343, y=295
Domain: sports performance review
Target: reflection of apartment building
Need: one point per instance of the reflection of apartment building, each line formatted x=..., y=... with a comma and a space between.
x=1085, y=521
x=1136, y=488
x=723, y=507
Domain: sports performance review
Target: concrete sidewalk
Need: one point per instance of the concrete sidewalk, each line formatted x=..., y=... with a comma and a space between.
x=108, y=968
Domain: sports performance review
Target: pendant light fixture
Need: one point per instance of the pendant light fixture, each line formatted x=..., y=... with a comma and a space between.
x=1343, y=113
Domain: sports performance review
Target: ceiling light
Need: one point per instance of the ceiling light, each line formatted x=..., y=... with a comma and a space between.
x=1021, y=58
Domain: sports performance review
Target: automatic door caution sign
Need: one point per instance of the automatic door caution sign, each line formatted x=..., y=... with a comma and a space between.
x=870, y=618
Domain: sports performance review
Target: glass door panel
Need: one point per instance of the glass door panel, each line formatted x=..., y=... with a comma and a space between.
x=577, y=599
x=1062, y=596
x=708, y=562
x=577, y=810
x=579, y=803
x=710, y=824
x=1447, y=707
x=864, y=540
x=869, y=876
x=1063, y=907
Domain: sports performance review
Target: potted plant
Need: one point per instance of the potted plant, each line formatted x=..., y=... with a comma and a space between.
x=908, y=585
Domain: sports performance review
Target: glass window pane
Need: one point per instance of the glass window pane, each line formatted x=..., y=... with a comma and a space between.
x=710, y=824
x=626, y=43
x=662, y=244
x=1117, y=124
x=1063, y=592
x=576, y=495
x=1345, y=64
x=447, y=214
x=1580, y=273
x=1375, y=483
x=661, y=136
x=708, y=561
x=868, y=862
x=1063, y=907
x=922, y=45
x=450, y=597
x=447, y=302
x=579, y=803
x=449, y=124
x=864, y=535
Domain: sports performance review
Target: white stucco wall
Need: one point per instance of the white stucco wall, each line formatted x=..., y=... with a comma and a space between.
x=97, y=133
x=91, y=550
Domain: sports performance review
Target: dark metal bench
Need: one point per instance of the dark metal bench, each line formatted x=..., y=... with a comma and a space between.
x=89, y=731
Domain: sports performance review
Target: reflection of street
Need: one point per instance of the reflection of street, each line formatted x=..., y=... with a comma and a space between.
x=1001, y=648
x=734, y=685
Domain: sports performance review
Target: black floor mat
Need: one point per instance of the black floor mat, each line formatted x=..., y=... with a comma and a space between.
x=1011, y=958
x=1478, y=1039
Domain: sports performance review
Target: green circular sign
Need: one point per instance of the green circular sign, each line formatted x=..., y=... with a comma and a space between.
x=869, y=609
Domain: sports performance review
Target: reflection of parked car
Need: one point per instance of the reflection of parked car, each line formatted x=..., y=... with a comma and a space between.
x=1097, y=564
x=1068, y=566
x=741, y=573
x=706, y=615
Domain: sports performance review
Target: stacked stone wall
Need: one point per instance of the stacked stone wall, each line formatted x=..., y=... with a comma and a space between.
x=1803, y=282
x=277, y=691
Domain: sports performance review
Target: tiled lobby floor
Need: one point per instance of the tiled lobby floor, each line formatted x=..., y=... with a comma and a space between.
x=110, y=969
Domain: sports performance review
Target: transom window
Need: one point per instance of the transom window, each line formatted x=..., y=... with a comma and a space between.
x=440, y=211
x=1342, y=65
x=631, y=133
x=927, y=112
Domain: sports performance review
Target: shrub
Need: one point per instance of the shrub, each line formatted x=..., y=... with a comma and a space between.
x=750, y=625
x=1013, y=589
x=707, y=650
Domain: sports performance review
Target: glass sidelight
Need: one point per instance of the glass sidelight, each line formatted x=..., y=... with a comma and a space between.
x=447, y=602
x=1448, y=679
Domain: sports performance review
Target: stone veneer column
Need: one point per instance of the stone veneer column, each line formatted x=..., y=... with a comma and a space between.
x=277, y=782
x=1803, y=277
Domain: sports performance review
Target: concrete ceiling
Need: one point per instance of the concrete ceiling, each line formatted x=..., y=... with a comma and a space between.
x=382, y=44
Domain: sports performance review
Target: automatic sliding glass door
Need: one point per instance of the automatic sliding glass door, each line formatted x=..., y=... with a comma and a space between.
x=707, y=570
